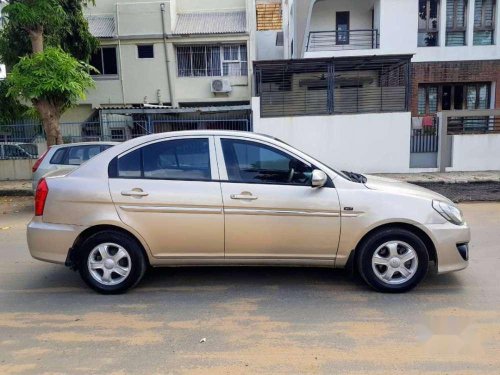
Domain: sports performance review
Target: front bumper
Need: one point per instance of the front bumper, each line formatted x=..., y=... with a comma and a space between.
x=51, y=242
x=449, y=240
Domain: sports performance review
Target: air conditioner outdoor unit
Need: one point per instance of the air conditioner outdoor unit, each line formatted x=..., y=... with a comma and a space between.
x=221, y=85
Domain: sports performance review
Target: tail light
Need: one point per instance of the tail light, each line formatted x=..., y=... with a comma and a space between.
x=42, y=190
x=39, y=161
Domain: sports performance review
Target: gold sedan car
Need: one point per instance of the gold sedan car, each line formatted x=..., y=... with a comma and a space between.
x=235, y=198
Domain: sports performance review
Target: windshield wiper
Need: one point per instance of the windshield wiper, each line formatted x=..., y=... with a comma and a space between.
x=355, y=177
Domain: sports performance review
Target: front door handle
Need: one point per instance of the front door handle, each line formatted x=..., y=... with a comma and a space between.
x=135, y=193
x=244, y=195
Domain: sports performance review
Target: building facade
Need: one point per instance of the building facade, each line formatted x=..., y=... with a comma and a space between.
x=433, y=64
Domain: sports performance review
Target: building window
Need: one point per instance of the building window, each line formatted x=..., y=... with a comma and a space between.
x=456, y=22
x=105, y=61
x=118, y=134
x=452, y=96
x=212, y=61
x=145, y=51
x=428, y=23
x=484, y=22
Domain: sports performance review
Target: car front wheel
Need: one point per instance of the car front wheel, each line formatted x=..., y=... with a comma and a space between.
x=111, y=262
x=393, y=260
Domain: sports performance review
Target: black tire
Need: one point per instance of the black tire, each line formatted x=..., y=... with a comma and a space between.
x=367, y=249
x=137, y=264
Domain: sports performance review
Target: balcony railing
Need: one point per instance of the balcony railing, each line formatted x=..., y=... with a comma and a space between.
x=339, y=40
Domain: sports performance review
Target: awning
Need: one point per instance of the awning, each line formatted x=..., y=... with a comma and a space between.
x=211, y=23
x=102, y=26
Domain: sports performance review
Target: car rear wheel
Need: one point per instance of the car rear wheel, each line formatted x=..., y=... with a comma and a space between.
x=393, y=260
x=111, y=262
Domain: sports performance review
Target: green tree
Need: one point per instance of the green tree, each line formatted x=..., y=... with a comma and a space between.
x=11, y=109
x=44, y=43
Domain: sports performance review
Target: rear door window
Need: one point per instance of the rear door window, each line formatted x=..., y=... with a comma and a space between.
x=181, y=159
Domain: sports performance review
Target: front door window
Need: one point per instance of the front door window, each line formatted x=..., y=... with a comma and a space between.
x=250, y=162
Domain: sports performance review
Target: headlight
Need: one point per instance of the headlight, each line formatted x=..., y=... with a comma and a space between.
x=449, y=212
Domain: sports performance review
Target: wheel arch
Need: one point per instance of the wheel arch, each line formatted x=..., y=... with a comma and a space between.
x=72, y=259
x=429, y=244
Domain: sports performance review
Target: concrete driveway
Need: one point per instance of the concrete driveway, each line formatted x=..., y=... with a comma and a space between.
x=254, y=320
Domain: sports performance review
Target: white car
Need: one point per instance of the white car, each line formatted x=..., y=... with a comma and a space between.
x=67, y=156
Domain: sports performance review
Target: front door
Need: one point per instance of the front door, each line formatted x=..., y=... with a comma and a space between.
x=168, y=191
x=271, y=210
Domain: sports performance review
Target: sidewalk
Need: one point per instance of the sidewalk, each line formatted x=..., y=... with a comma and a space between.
x=445, y=177
x=16, y=188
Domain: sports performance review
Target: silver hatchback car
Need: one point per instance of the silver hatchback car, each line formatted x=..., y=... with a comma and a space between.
x=66, y=156
x=235, y=198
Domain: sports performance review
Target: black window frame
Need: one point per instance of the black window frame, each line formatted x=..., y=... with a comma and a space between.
x=103, y=72
x=145, y=51
x=342, y=36
x=113, y=171
x=274, y=149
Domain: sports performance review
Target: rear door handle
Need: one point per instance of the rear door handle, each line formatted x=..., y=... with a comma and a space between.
x=245, y=196
x=135, y=193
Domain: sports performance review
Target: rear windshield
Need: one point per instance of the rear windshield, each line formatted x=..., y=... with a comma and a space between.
x=77, y=155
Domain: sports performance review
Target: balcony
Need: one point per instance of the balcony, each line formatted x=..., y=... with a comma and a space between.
x=340, y=40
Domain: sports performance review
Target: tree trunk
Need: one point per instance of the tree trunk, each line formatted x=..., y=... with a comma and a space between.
x=50, y=115
x=36, y=37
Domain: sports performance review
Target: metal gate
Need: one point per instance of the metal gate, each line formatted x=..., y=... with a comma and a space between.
x=424, y=142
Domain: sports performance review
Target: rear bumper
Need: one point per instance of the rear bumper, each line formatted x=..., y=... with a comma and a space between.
x=51, y=242
x=449, y=240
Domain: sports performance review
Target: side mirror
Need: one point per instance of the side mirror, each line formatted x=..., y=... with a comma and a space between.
x=319, y=178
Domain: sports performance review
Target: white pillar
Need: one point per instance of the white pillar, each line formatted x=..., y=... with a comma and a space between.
x=442, y=23
x=469, y=38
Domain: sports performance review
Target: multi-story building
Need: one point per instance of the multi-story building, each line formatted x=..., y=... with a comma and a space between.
x=169, y=64
x=417, y=78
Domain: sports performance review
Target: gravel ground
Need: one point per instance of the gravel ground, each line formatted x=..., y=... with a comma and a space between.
x=466, y=192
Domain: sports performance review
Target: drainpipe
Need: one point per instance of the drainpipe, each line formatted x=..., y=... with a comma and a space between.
x=122, y=85
x=167, y=59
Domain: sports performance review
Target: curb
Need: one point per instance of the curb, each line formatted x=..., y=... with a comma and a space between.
x=16, y=193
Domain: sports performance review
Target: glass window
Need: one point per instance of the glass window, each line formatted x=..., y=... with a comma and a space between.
x=212, y=61
x=183, y=159
x=129, y=165
x=456, y=22
x=251, y=162
x=145, y=51
x=428, y=23
x=78, y=155
x=105, y=61
x=484, y=22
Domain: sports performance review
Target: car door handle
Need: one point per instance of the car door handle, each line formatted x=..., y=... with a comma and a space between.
x=245, y=196
x=135, y=193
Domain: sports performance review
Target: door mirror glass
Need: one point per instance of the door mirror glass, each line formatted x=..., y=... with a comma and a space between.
x=319, y=178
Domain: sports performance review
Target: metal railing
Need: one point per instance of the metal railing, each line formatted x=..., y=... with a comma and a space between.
x=338, y=40
x=473, y=125
x=424, y=138
x=333, y=85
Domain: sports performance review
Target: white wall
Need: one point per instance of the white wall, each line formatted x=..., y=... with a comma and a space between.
x=16, y=169
x=475, y=152
x=396, y=21
x=266, y=46
x=376, y=142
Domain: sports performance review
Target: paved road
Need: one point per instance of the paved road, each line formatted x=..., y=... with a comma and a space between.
x=255, y=320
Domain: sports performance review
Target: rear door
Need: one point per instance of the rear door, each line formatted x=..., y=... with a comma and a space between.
x=169, y=192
